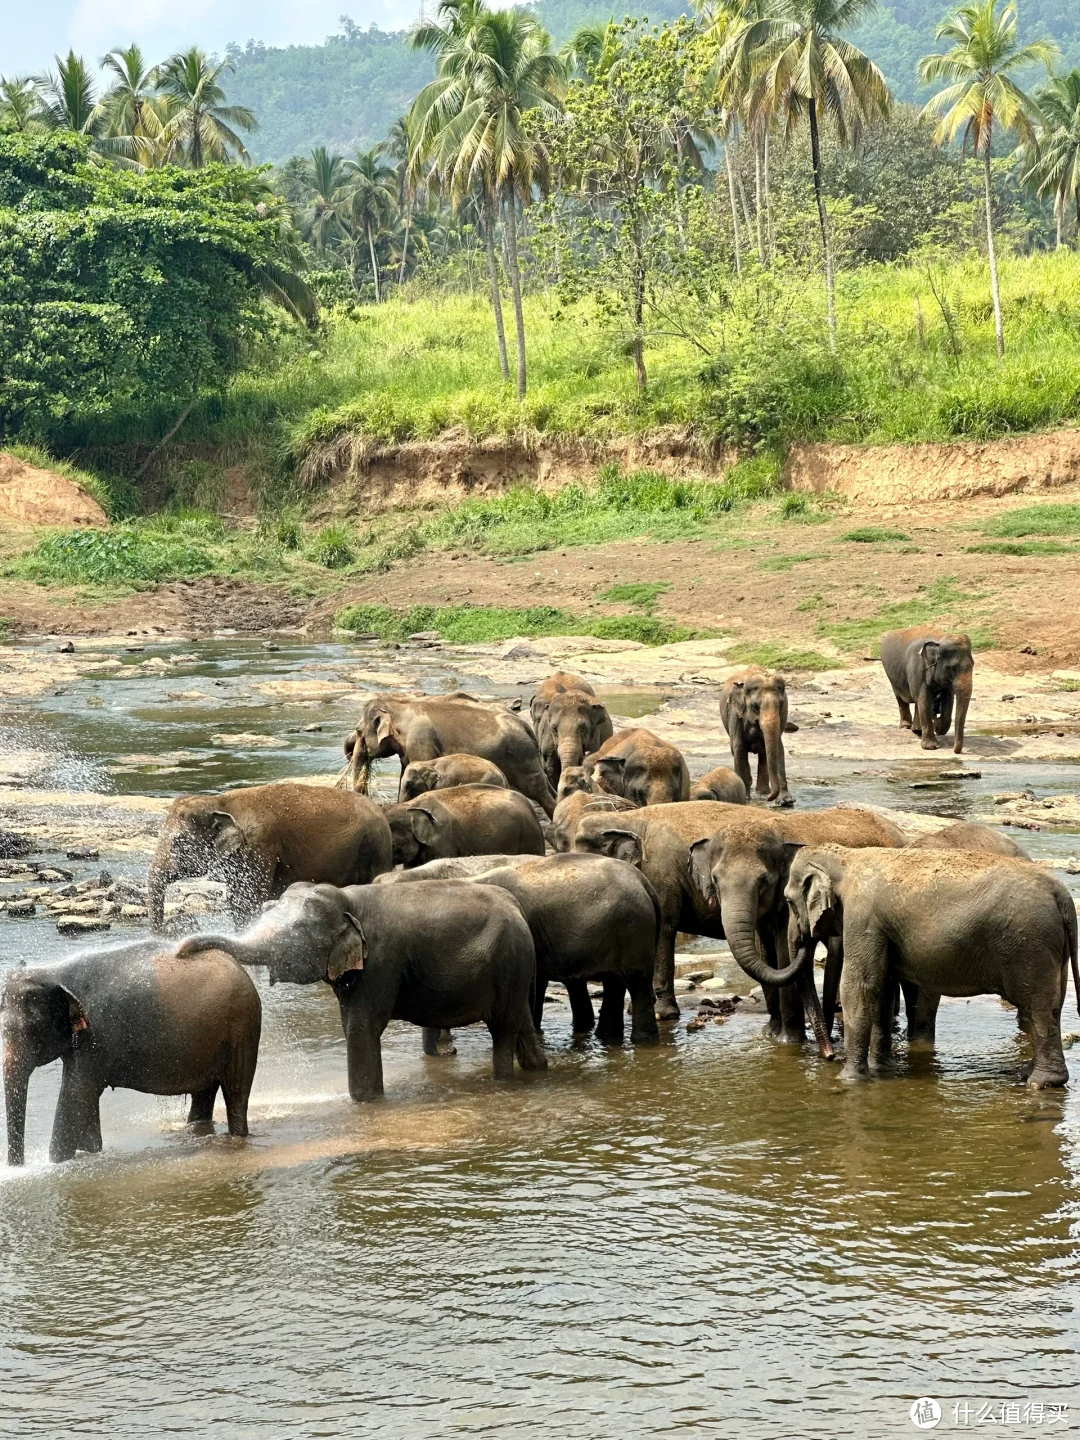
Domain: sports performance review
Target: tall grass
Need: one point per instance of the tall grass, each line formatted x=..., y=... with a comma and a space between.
x=483, y=624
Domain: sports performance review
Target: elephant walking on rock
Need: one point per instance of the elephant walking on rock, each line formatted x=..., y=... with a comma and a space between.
x=570, y=722
x=754, y=712
x=959, y=923
x=930, y=670
x=447, y=772
x=426, y=727
x=439, y=955
x=135, y=1017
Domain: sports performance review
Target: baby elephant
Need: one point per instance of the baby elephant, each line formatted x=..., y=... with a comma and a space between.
x=441, y=955
x=719, y=784
x=568, y=814
x=929, y=670
x=464, y=820
x=448, y=770
x=137, y=1017
x=640, y=767
x=967, y=835
x=959, y=924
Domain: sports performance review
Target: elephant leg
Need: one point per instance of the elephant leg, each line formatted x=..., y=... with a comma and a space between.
x=740, y=757
x=881, y=1036
x=90, y=1140
x=905, y=713
x=834, y=964
x=921, y=1005
x=201, y=1114
x=943, y=718
x=774, y=1025
x=438, y=1043
x=503, y=1044
x=860, y=996
x=581, y=1006
x=363, y=1044
x=643, y=1026
x=926, y=720
x=792, y=1017
x=609, y=1027
x=529, y=1047
x=1044, y=1027
x=236, y=1085
x=667, y=1007
x=76, y=1113
x=763, y=785
x=533, y=784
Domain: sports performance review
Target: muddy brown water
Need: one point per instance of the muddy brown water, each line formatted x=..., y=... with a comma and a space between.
x=709, y=1238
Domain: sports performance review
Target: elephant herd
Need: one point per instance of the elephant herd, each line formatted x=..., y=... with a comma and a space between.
x=524, y=851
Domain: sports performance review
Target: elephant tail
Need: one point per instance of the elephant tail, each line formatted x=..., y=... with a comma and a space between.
x=1068, y=914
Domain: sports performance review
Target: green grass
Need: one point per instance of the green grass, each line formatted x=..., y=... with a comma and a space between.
x=1036, y=520
x=482, y=624
x=333, y=548
x=1021, y=547
x=1071, y=685
x=642, y=595
x=6, y=626
x=873, y=535
x=117, y=558
x=779, y=657
x=861, y=635
x=788, y=562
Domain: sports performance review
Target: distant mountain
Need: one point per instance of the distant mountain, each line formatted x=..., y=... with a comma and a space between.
x=348, y=92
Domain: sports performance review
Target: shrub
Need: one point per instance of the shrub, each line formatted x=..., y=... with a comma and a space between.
x=333, y=547
x=111, y=557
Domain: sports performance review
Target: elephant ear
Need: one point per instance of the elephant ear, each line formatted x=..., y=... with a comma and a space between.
x=700, y=871
x=384, y=725
x=820, y=898
x=226, y=835
x=350, y=953
x=624, y=845
x=598, y=712
x=423, y=824
x=929, y=650
x=608, y=772
x=737, y=696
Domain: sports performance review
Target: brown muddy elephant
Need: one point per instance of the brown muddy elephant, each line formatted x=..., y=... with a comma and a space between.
x=641, y=767
x=261, y=840
x=424, y=727
x=568, y=813
x=570, y=722
x=464, y=820
x=930, y=670
x=445, y=772
x=719, y=784
x=754, y=712
x=135, y=1017
x=957, y=924
x=968, y=835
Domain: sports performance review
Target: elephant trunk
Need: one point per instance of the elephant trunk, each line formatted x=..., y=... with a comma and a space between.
x=235, y=945
x=811, y=1004
x=16, y=1083
x=570, y=751
x=772, y=730
x=159, y=880
x=962, y=697
x=741, y=931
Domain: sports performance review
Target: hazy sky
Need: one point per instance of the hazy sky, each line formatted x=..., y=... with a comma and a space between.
x=33, y=31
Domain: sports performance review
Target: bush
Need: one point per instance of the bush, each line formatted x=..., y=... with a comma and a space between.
x=333, y=547
x=766, y=397
x=111, y=557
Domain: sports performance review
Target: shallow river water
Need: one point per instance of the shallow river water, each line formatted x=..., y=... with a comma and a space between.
x=708, y=1238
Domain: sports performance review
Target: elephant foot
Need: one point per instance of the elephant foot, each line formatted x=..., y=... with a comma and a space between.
x=854, y=1074
x=782, y=802
x=791, y=1037
x=645, y=1037
x=930, y=745
x=1043, y=1079
x=609, y=1035
x=201, y=1127
x=667, y=1007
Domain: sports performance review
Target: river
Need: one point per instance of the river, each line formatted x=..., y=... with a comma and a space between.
x=708, y=1238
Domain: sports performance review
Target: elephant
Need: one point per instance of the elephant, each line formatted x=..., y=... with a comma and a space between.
x=568, y=813
x=135, y=1017
x=446, y=772
x=438, y=955
x=426, y=727
x=929, y=670
x=660, y=838
x=641, y=767
x=966, y=835
x=572, y=780
x=719, y=784
x=754, y=712
x=464, y=820
x=259, y=840
x=743, y=869
x=570, y=723
x=590, y=918
x=960, y=923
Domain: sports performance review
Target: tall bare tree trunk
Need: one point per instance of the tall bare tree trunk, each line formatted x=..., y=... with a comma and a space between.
x=493, y=271
x=639, y=313
x=742, y=191
x=768, y=201
x=405, y=244
x=999, y=328
x=510, y=214
x=823, y=220
x=758, y=202
x=374, y=262
x=734, y=208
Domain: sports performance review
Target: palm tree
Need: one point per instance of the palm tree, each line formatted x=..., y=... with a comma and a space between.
x=371, y=201
x=590, y=51
x=797, y=64
x=398, y=145
x=19, y=106
x=201, y=128
x=132, y=110
x=324, y=174
x=471, y=116
x=68, y=98
x=1054, y=166
x=982, y=94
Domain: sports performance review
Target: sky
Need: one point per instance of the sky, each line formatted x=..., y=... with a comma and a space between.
x=32, y=33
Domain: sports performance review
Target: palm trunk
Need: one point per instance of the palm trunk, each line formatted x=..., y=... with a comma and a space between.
x=1059, y=214
x=405, y=245
x=768, y=202
x=758, y=203
x=744, y=203
x=823, y=220
x=999, y=328
x=496, y=299
x=510, y=213
x=734, y=208
x=374, y=262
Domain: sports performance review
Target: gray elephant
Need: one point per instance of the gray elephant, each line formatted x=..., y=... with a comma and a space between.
x=591, y=919
x=573, y=779
x=260, y=840
x=967, y=835
x=570, y=722
x=568, y=813
x=640, y=767
x=465, y=820
x=957, y=924
x=931, y=671
x=719, y=784
x=134, y=1017
x=754, y=712
x=439, y=955
x=446, y=772
x=425, y=727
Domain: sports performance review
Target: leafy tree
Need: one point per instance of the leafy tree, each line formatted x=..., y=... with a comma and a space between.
x=201, y=127
x=371, y=202
x=1053, y=168
x=19, y=108
x=981, y=94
